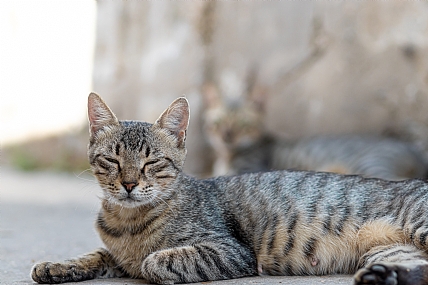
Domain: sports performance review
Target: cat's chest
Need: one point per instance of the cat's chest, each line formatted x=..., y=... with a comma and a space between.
x=131, y=241
x=129, y=251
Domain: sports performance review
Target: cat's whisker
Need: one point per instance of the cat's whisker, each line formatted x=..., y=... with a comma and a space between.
x=86, y=170
x=93, y=187
x=167, y=205
x=85, y=179
x=91, y=182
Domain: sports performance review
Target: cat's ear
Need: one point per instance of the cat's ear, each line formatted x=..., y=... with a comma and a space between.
x=257, y=93
x=175, y=120
x=99, y=114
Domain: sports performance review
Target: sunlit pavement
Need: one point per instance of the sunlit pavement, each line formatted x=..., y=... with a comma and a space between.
x=49, y=217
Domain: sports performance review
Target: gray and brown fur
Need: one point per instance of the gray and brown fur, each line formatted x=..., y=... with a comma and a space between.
x=159, y=224
x=234, y=128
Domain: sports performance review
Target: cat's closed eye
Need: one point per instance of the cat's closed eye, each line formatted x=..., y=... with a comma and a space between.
x=147, y=165
x=108, y=163
x=155, y=166
x=112, y=160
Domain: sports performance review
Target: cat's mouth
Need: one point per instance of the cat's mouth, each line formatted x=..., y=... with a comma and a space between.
x=129, y=197
x=135, y=198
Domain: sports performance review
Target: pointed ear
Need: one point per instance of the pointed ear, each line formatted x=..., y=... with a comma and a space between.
x=175, y=119
x=99, y=114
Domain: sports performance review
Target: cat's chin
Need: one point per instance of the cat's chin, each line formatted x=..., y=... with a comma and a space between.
x=126, y=202
x=130, y=203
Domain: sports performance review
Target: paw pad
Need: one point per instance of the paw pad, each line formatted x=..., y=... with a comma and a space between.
x=377, y=274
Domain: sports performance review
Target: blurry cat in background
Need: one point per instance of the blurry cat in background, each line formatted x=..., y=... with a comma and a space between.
x=234, y=128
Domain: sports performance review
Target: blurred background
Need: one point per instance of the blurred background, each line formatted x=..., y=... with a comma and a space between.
x=324, y=67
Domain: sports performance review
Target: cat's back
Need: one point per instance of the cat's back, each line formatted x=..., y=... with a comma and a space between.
x=310, y=194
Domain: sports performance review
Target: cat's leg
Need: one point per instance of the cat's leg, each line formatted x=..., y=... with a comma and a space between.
x=392, y=265
x=199, y=262
x=97, y=264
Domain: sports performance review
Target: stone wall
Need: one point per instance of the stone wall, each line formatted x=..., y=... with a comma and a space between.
x=326, y=66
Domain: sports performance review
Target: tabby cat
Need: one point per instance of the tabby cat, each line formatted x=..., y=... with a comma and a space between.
x=159, y=224
x=234, y=128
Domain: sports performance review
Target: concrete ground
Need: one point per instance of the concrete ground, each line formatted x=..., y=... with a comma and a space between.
x=49, y=217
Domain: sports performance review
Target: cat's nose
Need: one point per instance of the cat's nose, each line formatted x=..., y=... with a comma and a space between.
x=129, y=186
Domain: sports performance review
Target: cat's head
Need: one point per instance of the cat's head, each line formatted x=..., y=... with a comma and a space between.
x=136, y=163
x=232, y=123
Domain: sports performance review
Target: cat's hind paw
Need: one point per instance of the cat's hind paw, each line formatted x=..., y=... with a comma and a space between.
x=376, y=274
x=54, y=273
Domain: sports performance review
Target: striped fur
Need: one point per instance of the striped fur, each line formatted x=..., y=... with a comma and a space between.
x=161, y=225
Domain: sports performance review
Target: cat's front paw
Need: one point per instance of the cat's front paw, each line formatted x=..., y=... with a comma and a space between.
x=54, y=273
x=155, y=271
x=377, y=274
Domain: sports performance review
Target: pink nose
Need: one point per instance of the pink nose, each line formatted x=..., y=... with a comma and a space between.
x=129, y=186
